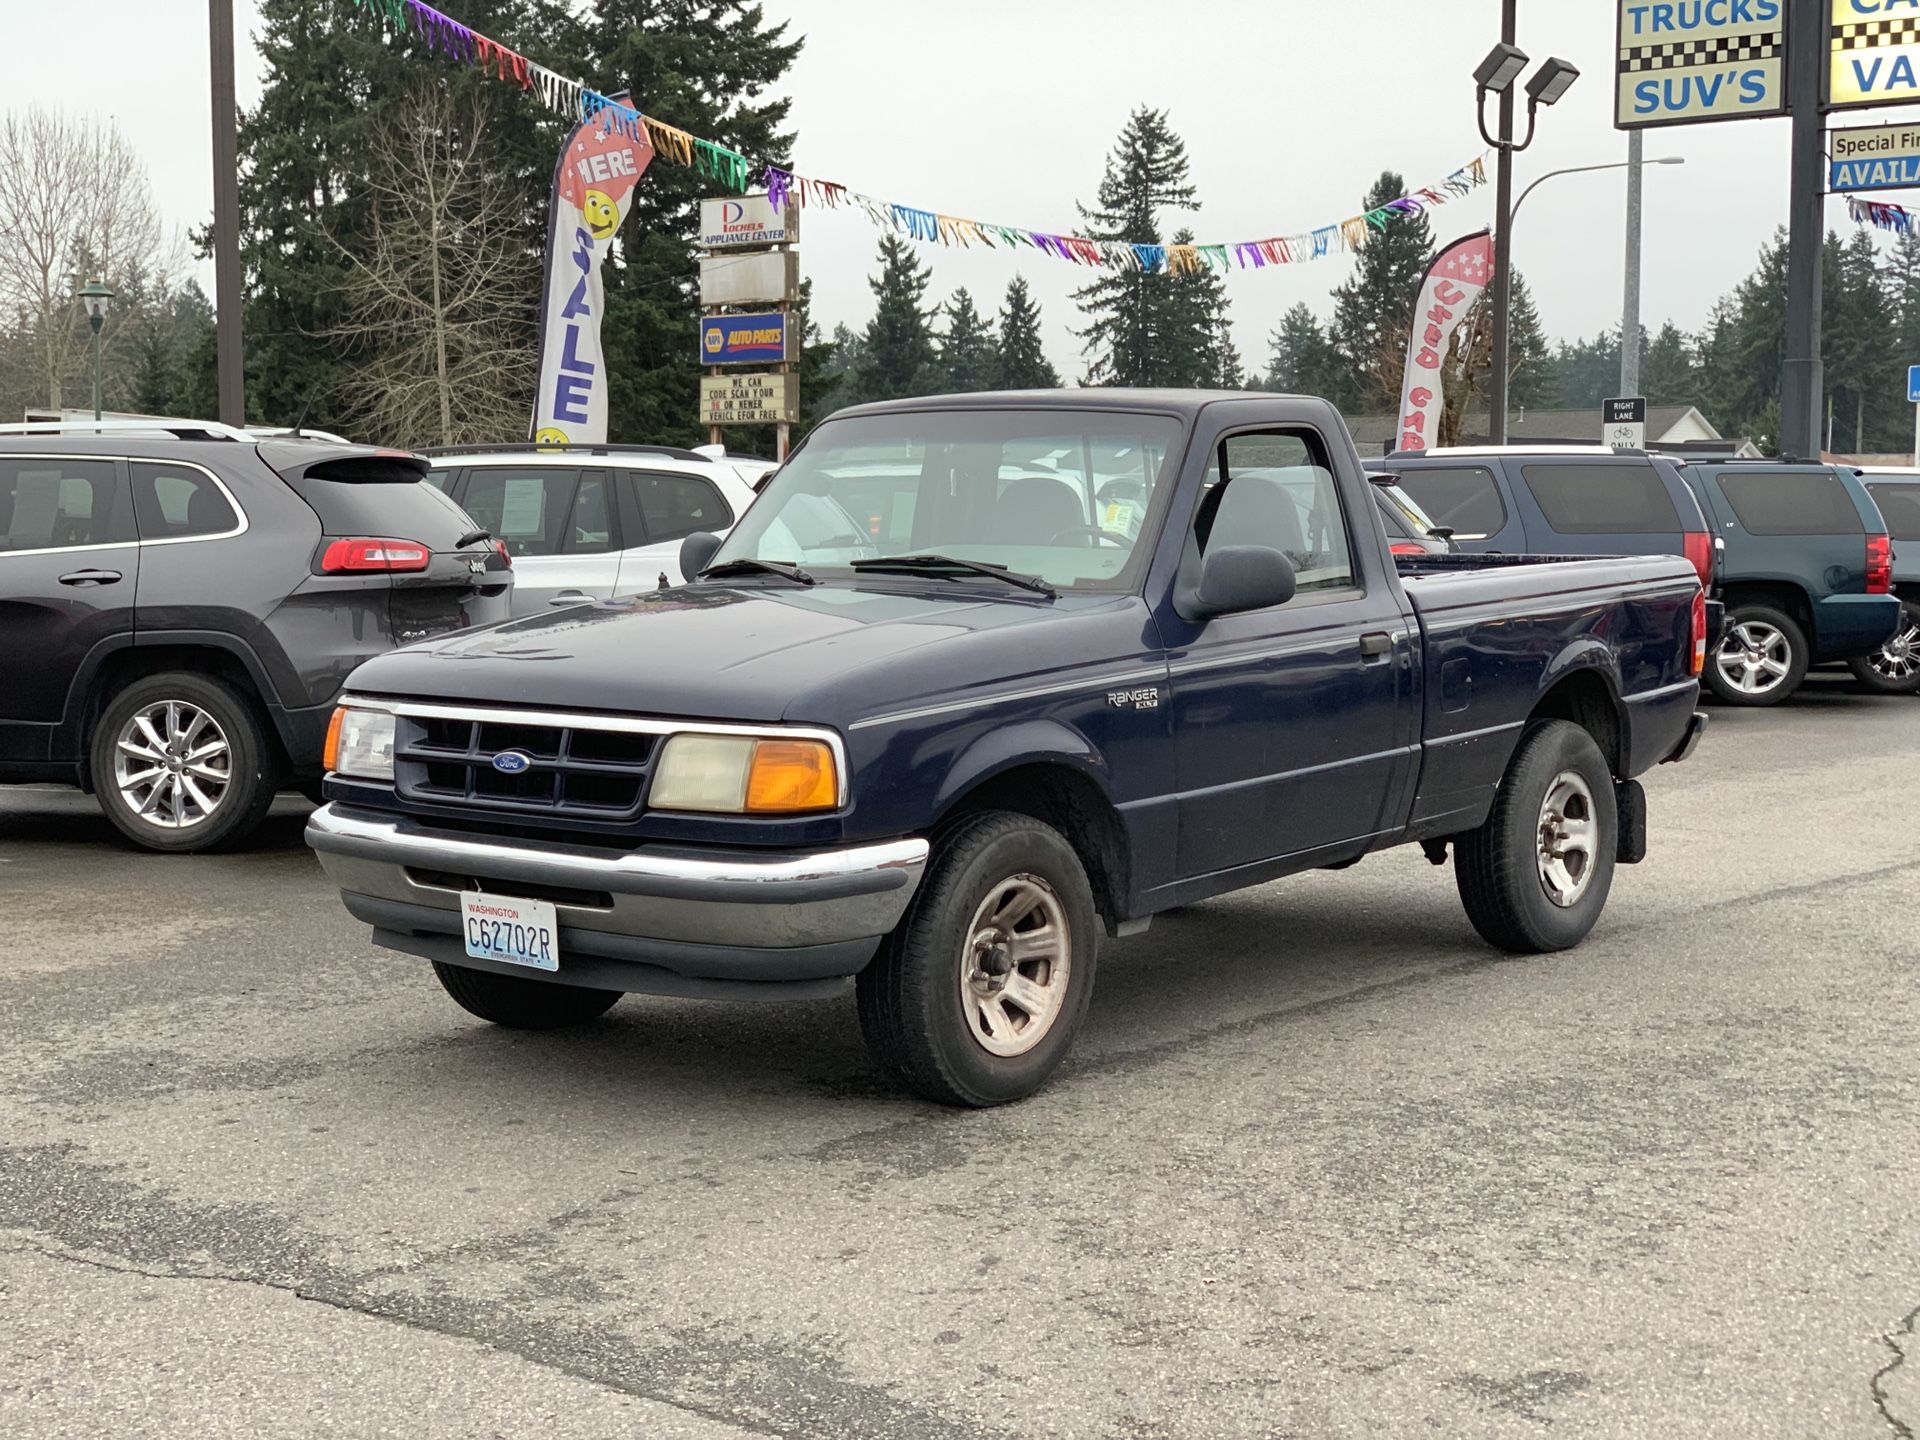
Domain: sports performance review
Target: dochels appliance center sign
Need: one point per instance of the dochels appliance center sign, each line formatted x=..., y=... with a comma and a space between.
x=1874, y=56
x=746, y=220
x=749, y=399
x=1681, y=61
x=1877, y=157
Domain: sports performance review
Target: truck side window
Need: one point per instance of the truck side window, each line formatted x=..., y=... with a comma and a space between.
x=1275, y=488
x=1464, y=498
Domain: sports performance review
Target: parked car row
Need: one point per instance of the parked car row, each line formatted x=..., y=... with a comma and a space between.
x=1803, y=558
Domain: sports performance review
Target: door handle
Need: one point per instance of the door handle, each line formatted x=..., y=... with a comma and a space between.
x=90, y=577
x=1375, y=643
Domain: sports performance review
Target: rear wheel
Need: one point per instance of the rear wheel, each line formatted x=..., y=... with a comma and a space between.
x=975, y=997
x=181, y=763
x=522, y=1004
x=1894, y=669
x=1534, y=877
x=1762, y=657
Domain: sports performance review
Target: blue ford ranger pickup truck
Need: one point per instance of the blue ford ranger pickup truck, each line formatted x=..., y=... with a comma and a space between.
x=977, y=677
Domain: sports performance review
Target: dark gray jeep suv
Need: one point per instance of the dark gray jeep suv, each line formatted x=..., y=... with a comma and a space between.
x=180, y=605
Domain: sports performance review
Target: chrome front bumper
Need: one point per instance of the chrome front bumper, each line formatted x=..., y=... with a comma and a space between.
x=726, y=915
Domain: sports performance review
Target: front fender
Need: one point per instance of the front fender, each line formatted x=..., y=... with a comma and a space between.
x=1029, y=742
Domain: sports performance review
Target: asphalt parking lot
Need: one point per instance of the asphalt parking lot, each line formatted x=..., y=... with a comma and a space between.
x=1322, y=1165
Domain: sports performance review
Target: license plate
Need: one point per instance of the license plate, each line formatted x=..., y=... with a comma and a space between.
x=509, y=930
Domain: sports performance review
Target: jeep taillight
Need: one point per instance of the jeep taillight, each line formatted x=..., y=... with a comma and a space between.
x=366, y=554
x=500, y=549
x=1697, y=665
x=1697, y=546
x=1879, y=565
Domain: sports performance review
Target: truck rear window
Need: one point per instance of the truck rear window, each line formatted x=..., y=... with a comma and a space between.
x=1792, y=502
x=1622, y=499
x=1464, y=498
x=1900, y=508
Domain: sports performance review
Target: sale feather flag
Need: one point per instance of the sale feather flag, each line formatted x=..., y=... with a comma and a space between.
x=593, y=184
x=1454, y=281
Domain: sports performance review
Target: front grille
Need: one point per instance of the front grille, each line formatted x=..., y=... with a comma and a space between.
x=570, y=773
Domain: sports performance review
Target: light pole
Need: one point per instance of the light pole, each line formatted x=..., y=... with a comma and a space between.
x=1496, y=76
x=96, y=297
x=1582, y=170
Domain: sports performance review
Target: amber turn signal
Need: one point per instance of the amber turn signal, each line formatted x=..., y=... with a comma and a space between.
x=792, y=775
x=330, y=752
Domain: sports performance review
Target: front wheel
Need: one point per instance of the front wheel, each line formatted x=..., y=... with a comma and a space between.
x=1894, y=669
x=975, y=997
x=1534, y=877
x=522, y=1004
x=1761, y=660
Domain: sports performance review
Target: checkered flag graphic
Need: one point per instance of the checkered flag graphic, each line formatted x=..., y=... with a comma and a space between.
x=1688, y=54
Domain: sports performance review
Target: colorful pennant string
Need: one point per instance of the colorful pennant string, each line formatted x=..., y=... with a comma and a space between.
x=447, y=36
x=1876, y=212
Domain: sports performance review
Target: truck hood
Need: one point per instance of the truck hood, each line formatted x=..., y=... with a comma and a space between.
x=748, y=653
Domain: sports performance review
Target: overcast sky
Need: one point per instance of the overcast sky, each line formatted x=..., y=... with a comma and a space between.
x=1003, y=110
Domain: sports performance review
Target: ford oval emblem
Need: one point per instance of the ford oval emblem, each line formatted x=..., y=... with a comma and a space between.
x=512, y=762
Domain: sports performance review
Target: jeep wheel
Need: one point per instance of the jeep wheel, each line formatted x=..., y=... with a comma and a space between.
x=975, y=997
x=1894, y=669
x=180, y=763
x=1761, y=660
x=522, y=1004
x=1534, y=877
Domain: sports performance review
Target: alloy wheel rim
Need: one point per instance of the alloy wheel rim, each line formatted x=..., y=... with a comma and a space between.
x=1015, y=966
x=1899, y=658
x=1568, y=839
x=172, y=765
x=1755, y=657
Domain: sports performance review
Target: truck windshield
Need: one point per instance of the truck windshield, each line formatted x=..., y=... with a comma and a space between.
x=1064, y=495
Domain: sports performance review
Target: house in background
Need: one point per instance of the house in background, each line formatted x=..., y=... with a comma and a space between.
x=1677, y=429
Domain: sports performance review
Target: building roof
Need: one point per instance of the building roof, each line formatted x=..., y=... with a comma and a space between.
x=1532, y=425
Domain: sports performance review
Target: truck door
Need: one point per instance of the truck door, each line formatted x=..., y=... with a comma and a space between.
x=1290, y=724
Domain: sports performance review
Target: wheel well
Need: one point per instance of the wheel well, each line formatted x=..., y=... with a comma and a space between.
x=123, y=667
x=1789, y=600
x=1587, y=700
x=1072, y=804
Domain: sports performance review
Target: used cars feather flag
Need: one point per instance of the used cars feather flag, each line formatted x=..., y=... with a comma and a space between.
x=1454, y=281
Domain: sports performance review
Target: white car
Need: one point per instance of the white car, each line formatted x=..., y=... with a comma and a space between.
x=589, y=522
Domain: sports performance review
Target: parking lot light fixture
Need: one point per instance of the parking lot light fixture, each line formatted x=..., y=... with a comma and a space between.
x=1552, y=80
x=97, y=298
x=1500, y=69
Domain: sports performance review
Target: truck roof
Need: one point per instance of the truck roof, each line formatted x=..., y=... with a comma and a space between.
x=1178, y=402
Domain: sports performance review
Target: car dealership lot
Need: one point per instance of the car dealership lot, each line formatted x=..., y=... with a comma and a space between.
x=1322, y=1164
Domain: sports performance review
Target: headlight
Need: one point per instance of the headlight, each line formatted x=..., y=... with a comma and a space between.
x=360, y=744
x=739, y=775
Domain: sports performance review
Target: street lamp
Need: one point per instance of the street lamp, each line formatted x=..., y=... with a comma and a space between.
x=96, y=297
x=1581, y=170
x=1496, y=76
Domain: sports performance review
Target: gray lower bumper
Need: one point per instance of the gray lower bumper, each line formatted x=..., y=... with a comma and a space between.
x=643, y=917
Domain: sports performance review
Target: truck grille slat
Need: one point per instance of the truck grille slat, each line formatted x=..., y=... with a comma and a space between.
x=570, y=771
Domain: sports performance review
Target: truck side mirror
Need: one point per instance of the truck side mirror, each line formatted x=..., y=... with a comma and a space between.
x=696, y=553
x=1237, y=578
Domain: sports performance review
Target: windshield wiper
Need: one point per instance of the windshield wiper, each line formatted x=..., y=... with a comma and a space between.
x=936, y=564
x=472, y=537
x=759, y=567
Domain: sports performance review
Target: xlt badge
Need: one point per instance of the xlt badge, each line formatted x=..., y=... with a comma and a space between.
x=1147, y=697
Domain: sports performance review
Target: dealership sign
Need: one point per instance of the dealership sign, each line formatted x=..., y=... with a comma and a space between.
x=1684, y=61
x=750, y=399
x=746, y=220
x=744, y=339
x=1877, y=157
x=1874, y=49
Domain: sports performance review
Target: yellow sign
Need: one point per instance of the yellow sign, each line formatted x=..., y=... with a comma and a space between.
x=1874, y=56
x=749, y=399
x=1690, y=60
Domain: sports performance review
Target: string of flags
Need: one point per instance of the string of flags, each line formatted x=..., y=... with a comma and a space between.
x=729, y=167
x=1877, y=212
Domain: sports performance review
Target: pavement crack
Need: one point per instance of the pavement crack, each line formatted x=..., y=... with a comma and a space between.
x=1879, y=1382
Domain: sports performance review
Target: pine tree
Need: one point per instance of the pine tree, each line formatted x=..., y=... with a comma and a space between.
x=969, y=358
x=1190, y=316
x=1859, y=342
x=1301, y=359
x=836, y=376
x=1229, y=372
x=1666, y=369
x=1129, y=336
x=1023, y=363
x=711, y=68
x=1902, y=279
x=898, y=356
x=1373, y=312
x=1529, y=358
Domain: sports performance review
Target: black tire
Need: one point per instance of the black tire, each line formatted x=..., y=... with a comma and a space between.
x=253, y=766
x=1894, y=669
x=1497, y=867
x=522, y=1004
x=1761, y=618
x=910, y=996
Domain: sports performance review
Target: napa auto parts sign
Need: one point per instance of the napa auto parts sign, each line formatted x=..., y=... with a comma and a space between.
x=744, y=339
x=593, y=185
x=1679, y=62
x=746, y=220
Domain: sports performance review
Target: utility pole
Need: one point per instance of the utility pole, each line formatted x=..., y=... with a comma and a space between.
x=1630, y=308
x=226, y=217
x=1801, y=379
x=1502, y=244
